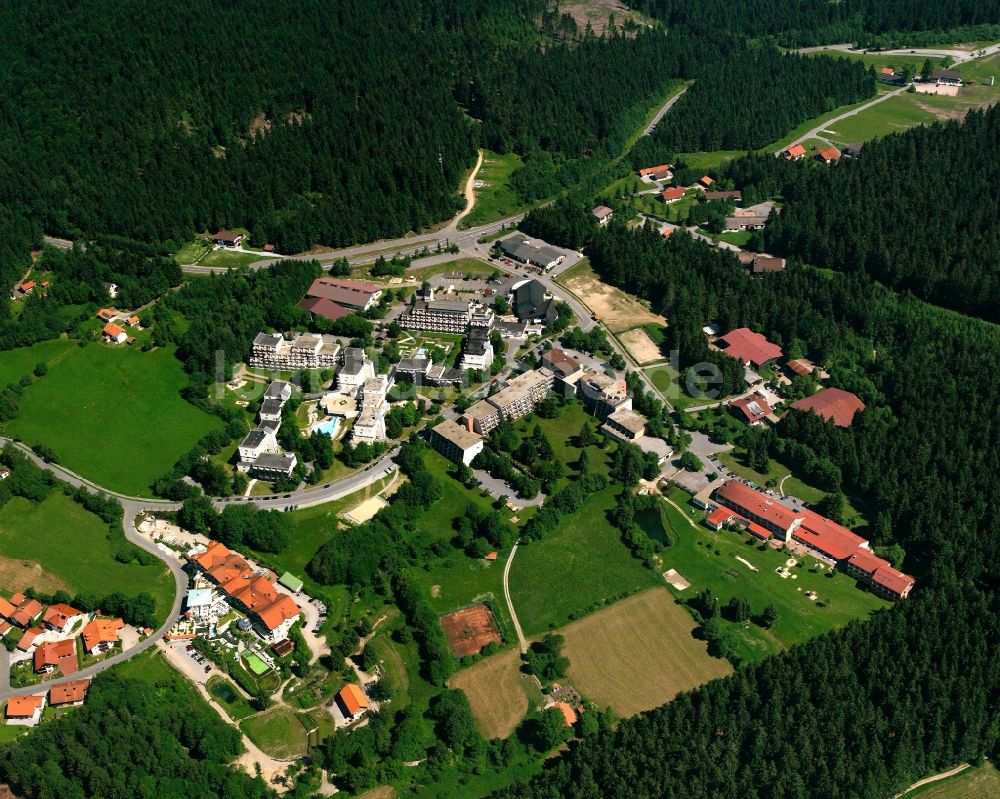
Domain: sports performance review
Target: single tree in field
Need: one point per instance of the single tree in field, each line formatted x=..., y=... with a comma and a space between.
x=769, y=616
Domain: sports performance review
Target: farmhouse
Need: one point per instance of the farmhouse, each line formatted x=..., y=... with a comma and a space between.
x=568, y=712
x=530, y=252
x=24, y=710
x=673, y=194
x=28, y=286
x=833, y=404
x=794, y=153
x=749, y=347
x=517, y=399
x=52, y=655
x=114, y=334
x=457, y=443
x=531, y=302
x=829, y=155
x=358, y=294
x=660, y=172
x=602, y=214
x=106, y=314
x=706, y=182
x=352, y=701
x=69, y=694
x=752, y=410
x=60, y=617
x=228, y=238
x=101, y=635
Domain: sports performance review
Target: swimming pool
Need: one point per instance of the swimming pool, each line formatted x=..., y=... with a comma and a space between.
x=329, y=426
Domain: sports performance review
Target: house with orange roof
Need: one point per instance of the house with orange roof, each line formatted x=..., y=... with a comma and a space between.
x=795, y=152
x=114, y=334
x=5, y=627
x=352, y=701
x=69, y=694
x=706, y=181
x=829, y=155
x=52, y=655
x=28, y=639
x=106, y=314
x=24, y=710
x=673, y=194
x=568, y=712
x=7, y=608
x=491, y=556
x=26, y=612
x=28, y=286
x=659, y=172
x=61, y=617
x=100, y=635
x=133, y=321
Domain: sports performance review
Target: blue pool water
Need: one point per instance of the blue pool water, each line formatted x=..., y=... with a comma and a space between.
x=329, y=426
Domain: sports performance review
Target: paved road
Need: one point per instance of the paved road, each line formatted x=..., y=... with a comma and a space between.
x=662, y=112
x=959, y=56
x=816, y=132
x=510, y=604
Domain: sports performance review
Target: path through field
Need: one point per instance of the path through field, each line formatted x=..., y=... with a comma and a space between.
x=510, y=603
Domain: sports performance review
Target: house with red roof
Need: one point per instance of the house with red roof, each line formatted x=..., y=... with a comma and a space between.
x=114, y=334
x=28, y=639
x=749, y=347
x=829, y=155
x=568, y=712
x=28, y=286
x=52, y=655
x=833, y=404
x=358, y=294
x=106, y=314
x=352, y=701
x=26, y=612
x=659, y=172
x=795, y=152
x=69, y=694
x=706, y=182
x=673, y=193
x=24, y=710
x=61, y=617
x=101, y=635
x=752, y=410
x=321, y=306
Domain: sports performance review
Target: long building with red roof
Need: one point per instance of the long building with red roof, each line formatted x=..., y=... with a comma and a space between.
x=833, y=404
x=767, y=518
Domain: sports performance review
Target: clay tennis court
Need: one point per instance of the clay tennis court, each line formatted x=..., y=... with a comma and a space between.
x=470, y=629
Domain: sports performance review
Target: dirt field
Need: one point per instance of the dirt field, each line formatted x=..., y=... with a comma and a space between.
x=596, y=12
x=469, y=630
x=495, y=689
x=16, y=575
x=638, y=654
x=382, y=792
x=641, y=346
x=618, y=310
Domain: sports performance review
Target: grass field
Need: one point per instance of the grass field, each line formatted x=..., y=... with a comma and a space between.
x=575, y=569
x=495, y=198
x=638, y=654
x=461, y=266
x=709, y=561
x=72, y=546
x=14, y=364
x=497, y=692
x=114, y=415
x=972, y=783
x=201, y=252
x=278, y=732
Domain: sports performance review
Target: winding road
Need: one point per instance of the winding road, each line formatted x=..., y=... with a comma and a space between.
x=816, y=133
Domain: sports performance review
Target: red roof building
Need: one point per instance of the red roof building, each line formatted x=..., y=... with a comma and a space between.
x=353, y=700
x=28, y=286
x=52, y=655
x=59, y=616
x=28, y=639
x=568, y=713
x=115, y=333
x=673, y=194
x=106, y=314
x=360, y=294
x=101, y=634
x=829, y=155
x=654, y=171
x=884, y=579
x=27, y=610
x=749, y=347
x=833, y=404
x=69, y=693
x=321, y=306
x=706, y=182
x=23, y=708
x=753, y=409
x=794, y=152
x=801, y=367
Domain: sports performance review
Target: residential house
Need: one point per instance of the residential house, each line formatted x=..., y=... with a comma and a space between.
x=672, y=194
x=279, y=390
x=228, y=238
x=752, y=410
x=28, y=286
x=132, y=321
x=5, y=472
x=26, y=610
x=656, y=173
x=28, y=639
x=458, y=443
x=568, y=712
x=52, y=655
x=706, y=182
x=24, y=710
x=254, y=444
x=101, y=635
x=352, y=701
x=69, y=694
x=602, y=214
x=833, y=404
x=61, y=617
x=828, y=155
x=749, y=347
x=107, y=314
x=794, y=153
x=114, y=334
x=709, y=196
x=736, y=224
x=758, y=264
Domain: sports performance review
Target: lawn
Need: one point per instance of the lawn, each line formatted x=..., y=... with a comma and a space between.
x=230, y=259
x=495, y=198
x=114, y=415
x=228, y=695
x=709, y=160
x=709, y=561
x=973, y=783
x=638, y=654
x=71, y=545
x=14, y=364
x=278, y=732
x=667, y=380
x=460, y=266
x=497, y=692
x=576, y=569
x=193, y=251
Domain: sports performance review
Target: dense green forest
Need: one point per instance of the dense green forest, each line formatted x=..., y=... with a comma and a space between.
x=918, y=212
x=750, y=98
x=807, y=22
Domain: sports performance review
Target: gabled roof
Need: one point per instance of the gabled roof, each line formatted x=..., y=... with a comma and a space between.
x=706, y=181
x=568, y=713
x=101, y=631
x=833, y=404
x=673, y=193
x=226, y=235
x=352, y=293
x=795, y=151
x=112, y=330
x=801, y=366
x=888, y=71
x=894, y=581
x=29, y=638
x=19, y=707
x=753, y=408
x=61, y=654
x=353, y=698
x=829, y=154
x=278, y=612
x=6, y=608
x=57, y=615
x=68, y=692
x=321, y=306
x=749, y=347
x=26, y=612
x=649, y=170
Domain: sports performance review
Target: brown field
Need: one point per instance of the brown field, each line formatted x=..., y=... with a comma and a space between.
x=973, y=783
x=469, y=630
x=382, y=792
x=638, y=654
x=496, y=692
x=616, y=309
x=16, y=575
x=641, y=346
